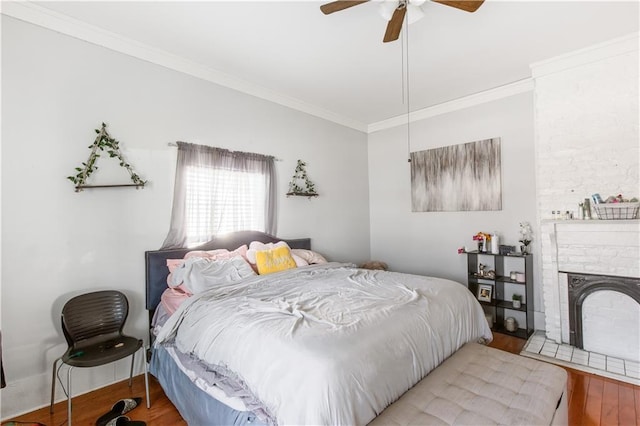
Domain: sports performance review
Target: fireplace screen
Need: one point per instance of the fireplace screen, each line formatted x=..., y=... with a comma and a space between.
x=582, y=285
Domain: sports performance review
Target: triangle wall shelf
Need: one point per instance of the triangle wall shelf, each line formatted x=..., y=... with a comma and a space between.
x=301, y=185
x=104, y=142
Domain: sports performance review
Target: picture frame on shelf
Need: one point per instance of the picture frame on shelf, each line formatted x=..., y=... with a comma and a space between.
x=484, y=292
x=505, y=250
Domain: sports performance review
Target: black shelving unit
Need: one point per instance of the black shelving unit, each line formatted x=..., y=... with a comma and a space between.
x=499, y=307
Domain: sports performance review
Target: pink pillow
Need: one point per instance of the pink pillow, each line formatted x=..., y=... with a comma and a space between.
x=173, y=297
x=174, y=264
x=239, y=252
x=218, y=253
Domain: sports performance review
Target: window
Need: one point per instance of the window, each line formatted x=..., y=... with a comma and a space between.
x=219, y=191
x=223, y=201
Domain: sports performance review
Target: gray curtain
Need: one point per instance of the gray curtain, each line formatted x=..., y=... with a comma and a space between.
x=2, y=382
x=202, y=157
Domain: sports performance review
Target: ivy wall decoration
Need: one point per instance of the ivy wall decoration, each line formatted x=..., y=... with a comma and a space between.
x=103, y=142
x=300, y=184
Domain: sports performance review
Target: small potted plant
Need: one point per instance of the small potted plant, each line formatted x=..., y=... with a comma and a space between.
x=517, y=300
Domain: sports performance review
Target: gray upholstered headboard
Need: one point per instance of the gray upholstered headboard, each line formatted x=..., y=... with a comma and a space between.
x=156, y=260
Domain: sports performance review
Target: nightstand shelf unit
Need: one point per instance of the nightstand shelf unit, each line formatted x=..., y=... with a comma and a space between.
x=503, y=287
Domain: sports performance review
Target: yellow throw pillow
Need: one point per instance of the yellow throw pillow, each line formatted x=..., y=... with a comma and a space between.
x=274, y=260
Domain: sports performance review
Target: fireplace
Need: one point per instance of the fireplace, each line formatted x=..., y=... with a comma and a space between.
x=580, y=286
x=596, y=305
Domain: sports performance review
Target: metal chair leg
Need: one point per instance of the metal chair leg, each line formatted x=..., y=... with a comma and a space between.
x=69, y=396
x=53, y=384
x=146, y=377
x=133, y=358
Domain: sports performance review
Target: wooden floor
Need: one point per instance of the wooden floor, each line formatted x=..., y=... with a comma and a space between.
x=593, y=400
x=89, y=407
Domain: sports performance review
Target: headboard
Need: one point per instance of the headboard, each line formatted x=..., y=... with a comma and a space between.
x=156, y=270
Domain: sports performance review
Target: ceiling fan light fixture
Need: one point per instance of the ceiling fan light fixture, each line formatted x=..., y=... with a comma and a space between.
x=395, y=11
x=387, y=8
x=414, y=11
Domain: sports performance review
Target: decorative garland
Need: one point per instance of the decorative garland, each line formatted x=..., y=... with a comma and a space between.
x=300, y=173
x=103, y=142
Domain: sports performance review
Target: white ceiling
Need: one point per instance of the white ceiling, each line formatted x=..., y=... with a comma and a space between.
x=338, y=62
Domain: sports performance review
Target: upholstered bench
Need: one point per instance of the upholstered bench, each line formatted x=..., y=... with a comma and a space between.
x=479, y=385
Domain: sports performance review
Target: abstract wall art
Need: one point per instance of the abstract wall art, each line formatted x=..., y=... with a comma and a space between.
x=465, y=177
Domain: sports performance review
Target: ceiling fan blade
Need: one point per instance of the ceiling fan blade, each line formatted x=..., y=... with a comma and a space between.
x=395, y=24
x=466, y=5
x=336, y=6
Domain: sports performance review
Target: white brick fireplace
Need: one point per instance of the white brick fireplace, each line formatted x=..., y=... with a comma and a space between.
x=610, y=319
x=587, y=141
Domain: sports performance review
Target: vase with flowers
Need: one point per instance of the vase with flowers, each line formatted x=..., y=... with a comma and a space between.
x=526, y=235
x=482, y=239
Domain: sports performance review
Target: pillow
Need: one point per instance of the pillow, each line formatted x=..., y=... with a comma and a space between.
x=172, y=264
x=205, y=253
x=311, y=257
x=216, y=254
x=200, y=274
x=173, y=297
x=274, y=260
x=256, y=246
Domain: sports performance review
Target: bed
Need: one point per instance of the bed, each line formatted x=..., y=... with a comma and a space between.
x=325, y=343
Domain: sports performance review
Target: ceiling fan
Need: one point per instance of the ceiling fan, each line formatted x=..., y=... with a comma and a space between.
x=401, y=6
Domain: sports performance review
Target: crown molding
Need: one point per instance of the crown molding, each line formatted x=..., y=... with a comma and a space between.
x=597, y=52
x=46, y=18
x=511, y=89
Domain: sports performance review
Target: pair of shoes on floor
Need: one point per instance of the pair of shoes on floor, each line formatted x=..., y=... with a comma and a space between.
x=115, y=417
x=125, y=421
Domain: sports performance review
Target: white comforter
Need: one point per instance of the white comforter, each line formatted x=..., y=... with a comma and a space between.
x=328, y=344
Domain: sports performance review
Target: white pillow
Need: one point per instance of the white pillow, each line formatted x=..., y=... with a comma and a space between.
x=256, y=246
x=310, y=256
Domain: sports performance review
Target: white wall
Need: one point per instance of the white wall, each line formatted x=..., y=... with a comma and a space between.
x=586, y=120
x=56, y=243
x=427, y=242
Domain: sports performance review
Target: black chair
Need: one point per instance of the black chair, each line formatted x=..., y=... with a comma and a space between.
x=92, y=324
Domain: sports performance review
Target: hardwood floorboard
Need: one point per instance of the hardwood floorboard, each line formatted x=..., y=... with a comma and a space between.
x=627, y=406
x=578, y=399
x=593, y=405
x=610, y=404
x=570, y=387
x=636, y=390
x=593, y=400
x=507, y=343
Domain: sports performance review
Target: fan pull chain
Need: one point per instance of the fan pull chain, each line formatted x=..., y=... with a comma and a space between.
x=405, y=39
x=403, y=70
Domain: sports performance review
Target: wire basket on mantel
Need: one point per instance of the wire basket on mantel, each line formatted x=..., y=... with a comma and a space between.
x=617, y=211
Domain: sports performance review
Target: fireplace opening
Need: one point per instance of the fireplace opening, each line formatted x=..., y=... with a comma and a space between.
x=580, y=286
